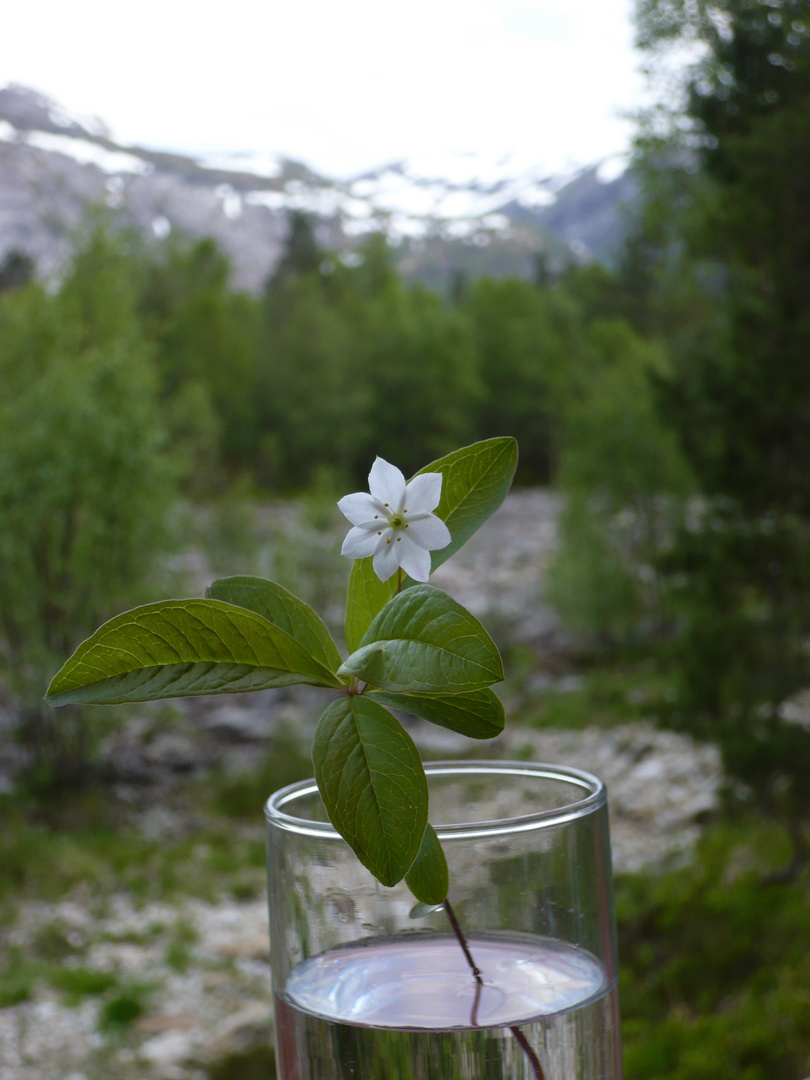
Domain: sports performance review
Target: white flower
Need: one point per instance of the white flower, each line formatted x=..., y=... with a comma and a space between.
x=394, y=523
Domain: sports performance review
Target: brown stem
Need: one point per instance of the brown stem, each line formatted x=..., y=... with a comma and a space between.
x=479, y=986
x=465, y=948
x=534, y=1061
x=523, y=1042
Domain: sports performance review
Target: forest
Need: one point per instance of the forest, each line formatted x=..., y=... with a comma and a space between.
x=666, y=398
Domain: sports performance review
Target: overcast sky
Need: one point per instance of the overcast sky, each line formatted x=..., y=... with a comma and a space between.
x=342, y=86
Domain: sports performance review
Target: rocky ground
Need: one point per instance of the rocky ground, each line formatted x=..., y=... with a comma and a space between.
x=193, y=972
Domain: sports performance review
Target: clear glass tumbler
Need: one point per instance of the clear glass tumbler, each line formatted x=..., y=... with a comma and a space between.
x=516, y=980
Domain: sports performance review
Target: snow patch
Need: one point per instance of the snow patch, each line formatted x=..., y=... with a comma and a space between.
x=88, y=153
x=409, y=199
x=8, y=133
x=533, y=197
x=459, y=230
x=612, y=168
x=268, y=166
x=473, y=169
x=415, y=199
x=462, y=204
x=361, y=226
x=356, y=208
x=273, y=200
x=403, y=227
x=231, y=201
x=325, y=202
x=580, y=249
x=363, y=188
x=91, y=124
x=161, y=227
x=456, y=187
x=115, y=192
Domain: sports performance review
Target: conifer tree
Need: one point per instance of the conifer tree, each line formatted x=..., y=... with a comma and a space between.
x=731, y=179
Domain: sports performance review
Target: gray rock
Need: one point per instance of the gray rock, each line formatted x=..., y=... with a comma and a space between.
x=169, y=1048
x=251, y=1026
x=661, y=785
x=241, y=723
x=171, y=750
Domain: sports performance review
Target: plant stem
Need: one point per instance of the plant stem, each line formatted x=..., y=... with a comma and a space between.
x=523, y=1042
x=534, y=1061
x=465, y=948
x=399, y=579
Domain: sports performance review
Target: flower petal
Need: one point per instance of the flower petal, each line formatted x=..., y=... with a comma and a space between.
x=360, y=542
x=428, y=532
x=414, y=560
x=387, y=484
x=423, y=493
x=386, y=557
x=358, y=508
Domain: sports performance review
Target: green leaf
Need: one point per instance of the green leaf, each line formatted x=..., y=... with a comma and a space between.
x=478, y=715
x=428, y=878
x=366, y=598
x=372, y=784
x=177, y=648
x=283, y=610
x=475, y=482
x=424, y=642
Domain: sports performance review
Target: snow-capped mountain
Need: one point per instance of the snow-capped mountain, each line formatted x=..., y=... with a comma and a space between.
x=445, y=215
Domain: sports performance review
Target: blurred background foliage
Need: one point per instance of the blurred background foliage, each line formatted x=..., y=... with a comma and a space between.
x=146, y=401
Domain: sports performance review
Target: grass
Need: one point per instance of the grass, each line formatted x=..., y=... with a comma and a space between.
x=79, y=982
x=179, y=949
x=55, y=941
x=600, y=697
x=21, y=974
x=100, y=856
x=715, y=963
x=242, y=795
x=258, y=1063
x=18, y=978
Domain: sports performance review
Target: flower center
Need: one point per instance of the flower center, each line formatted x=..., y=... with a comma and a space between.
x=397, y=521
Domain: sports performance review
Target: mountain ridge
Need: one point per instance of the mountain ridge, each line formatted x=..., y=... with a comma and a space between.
x=456, y=215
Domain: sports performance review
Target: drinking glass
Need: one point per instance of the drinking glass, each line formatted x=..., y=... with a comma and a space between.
x=514, y=980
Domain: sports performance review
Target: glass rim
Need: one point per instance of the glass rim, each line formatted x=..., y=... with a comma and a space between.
x=593, y=797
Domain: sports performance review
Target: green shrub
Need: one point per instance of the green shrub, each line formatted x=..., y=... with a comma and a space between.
x=79, y=982
x=625, y=480
x=84, y=481
x=715, y=964
x=122, y=1011
x=741, y=591
x=242, y=795
x=17, y=982
x=258, y=1063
